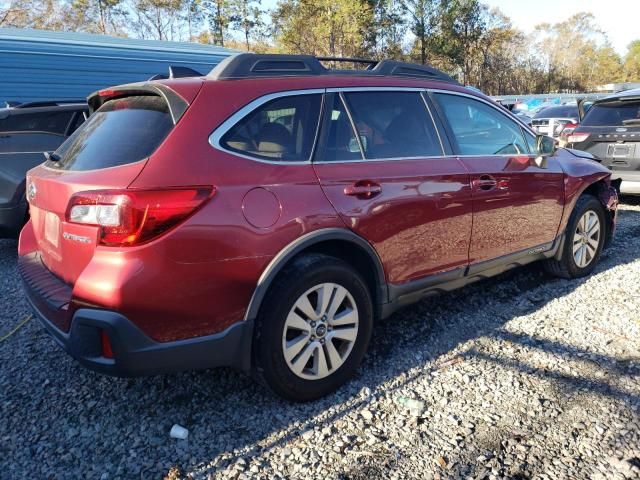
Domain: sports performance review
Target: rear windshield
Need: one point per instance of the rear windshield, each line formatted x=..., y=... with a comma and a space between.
x=558, y=112
x=122, y=131
x=613, y=114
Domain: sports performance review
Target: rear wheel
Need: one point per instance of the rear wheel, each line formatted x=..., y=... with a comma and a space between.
x=313, y=329
x=584, y=239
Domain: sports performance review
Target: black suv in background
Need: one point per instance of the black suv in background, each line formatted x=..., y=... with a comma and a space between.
x=610, y=130
x=27, y=131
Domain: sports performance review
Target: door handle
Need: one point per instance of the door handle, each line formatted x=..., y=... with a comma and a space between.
x=485, y=182
x=363, y=189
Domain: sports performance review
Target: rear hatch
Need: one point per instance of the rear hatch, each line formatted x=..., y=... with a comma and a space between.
x=610, y=130
x=107, y=153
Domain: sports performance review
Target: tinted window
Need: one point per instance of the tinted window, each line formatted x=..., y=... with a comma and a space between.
x=613, y=115
x=282, y=129
x=122, y=131
x=51, y=122
x=564, y=111
x=340, y=140
x=393, y=124
x=480, y=129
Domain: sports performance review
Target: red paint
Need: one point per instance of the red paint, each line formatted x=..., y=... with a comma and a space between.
x=422, y=216
x=419, y=223
x=519, y=208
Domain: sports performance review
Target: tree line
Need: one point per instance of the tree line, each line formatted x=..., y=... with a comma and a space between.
x=467, y=39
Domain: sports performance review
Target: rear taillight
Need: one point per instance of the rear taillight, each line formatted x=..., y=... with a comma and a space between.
x=132, y=217
x=577, y=137
x=568, y=128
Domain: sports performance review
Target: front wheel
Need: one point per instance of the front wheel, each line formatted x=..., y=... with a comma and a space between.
x=313, y=329
x=584, y=239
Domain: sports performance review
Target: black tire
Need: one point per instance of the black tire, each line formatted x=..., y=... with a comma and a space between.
x=566, y=267
x=269, y=364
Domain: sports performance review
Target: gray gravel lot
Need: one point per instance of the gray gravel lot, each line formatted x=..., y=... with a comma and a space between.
x=523, y=376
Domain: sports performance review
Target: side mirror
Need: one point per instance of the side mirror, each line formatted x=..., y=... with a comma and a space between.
x=545, y=148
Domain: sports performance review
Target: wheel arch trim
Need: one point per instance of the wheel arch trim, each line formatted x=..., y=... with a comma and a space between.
x=302, y=243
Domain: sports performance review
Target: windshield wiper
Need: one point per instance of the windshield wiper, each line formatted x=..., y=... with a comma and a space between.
x=52, y=157
x=631, y=121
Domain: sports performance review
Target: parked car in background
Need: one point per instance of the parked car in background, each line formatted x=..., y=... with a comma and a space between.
x=610, y=130
x=555, y=120
x=523, y=115
x=28, y=131
x=265, y=215
x=516, y=108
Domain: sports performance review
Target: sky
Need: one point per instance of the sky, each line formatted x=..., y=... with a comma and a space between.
x=618, y=18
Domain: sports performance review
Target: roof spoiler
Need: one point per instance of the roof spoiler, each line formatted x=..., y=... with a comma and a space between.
x=177, y=105
x=252, y=65
x=177, y=72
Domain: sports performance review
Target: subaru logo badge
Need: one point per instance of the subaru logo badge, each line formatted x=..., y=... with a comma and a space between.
x=32, y=191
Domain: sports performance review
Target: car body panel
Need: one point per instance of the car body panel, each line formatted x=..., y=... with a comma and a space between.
x=420, y=224
x=524, y=210
x=48, y=192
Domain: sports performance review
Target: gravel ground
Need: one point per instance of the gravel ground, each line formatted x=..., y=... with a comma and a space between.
x=523, y=376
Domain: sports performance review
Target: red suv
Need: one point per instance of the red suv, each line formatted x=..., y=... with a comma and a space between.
x=265, y=215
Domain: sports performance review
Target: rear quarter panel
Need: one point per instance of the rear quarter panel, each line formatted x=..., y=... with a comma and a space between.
x=208, y=267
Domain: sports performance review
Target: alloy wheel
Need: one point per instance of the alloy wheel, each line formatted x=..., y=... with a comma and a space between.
x=586, y=239
x=320, y=331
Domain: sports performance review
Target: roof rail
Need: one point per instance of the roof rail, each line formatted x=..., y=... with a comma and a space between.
x=252, y=65
x=49, y=103
x=370, y=63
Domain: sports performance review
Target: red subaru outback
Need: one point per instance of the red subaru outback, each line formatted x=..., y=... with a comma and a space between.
x=265, y=215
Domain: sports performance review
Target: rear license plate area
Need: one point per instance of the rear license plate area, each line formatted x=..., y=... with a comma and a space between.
x=617, y=150
x=52, y=228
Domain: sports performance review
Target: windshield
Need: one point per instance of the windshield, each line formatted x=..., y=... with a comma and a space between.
x=122, y=131
x=617, y=114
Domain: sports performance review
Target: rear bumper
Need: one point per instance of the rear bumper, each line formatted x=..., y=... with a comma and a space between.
x=630, y=181
x=134, y=353
x=630, y=187
x=12, y=219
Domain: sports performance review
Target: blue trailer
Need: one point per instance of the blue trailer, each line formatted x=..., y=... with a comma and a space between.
x=40, y=65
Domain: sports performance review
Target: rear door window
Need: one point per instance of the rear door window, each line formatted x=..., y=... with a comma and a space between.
x=50, y=122
x=339, y=141
x=393, y=125
x=283, y=129
x=122, y=131
x=479, y=129
x=617, y=114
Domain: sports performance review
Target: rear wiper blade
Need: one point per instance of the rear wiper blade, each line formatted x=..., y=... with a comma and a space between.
x=631, y=121
x=52, y=157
